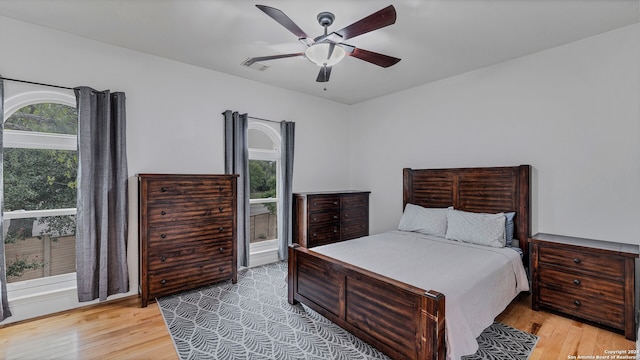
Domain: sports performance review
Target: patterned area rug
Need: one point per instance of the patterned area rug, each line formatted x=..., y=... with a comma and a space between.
x=253, y=320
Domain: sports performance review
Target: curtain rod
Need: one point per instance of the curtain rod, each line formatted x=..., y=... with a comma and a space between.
x=257, y=118
x=36, y=83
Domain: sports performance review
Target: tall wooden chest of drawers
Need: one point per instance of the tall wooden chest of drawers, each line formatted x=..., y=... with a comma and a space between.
x=187, y=232
x=321, y=218
x=590, y=279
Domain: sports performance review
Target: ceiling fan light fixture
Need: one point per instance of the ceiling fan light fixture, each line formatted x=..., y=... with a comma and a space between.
x=319, y=54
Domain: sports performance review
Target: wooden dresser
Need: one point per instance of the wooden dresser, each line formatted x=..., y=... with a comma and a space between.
x=321, y=218
x=589, y=279
x=187, y=232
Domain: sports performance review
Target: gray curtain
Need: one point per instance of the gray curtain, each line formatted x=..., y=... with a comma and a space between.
x=4, y=304
x=102, y=211
x=236, y=155
x=287, y=134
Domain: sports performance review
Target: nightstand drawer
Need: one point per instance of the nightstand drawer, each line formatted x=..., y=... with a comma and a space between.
x=586, y=307
x=575, y=260
x=582, y=285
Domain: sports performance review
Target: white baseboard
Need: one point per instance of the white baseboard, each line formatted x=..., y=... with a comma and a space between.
x=263, y=257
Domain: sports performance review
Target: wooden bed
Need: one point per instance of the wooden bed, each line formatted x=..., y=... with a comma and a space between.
x=401, y=320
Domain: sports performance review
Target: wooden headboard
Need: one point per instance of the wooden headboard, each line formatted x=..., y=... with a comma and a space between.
x=486, y=190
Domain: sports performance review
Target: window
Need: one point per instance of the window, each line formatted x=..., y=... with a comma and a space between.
x=40, y=168
x=264, y=181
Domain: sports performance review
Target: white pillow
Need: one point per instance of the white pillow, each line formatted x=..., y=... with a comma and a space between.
x=430, y=221
x=476, y=228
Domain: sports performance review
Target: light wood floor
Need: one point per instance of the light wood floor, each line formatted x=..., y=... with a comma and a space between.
x=122, y=330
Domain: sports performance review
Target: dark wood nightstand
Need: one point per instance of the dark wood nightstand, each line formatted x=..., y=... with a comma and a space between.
x=321, y=218
x=590, y=279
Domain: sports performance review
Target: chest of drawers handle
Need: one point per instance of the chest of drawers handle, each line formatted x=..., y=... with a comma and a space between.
x=164, y=189
x=163, y=236
x=163, y=259
x=221, y=228
x=220, y=188
x=163, y=281
x=577, y=303
x=576, y=281
x=221, y=269
x=221, y=249
x=576, y=260
x=163, y=212
x=335, y=203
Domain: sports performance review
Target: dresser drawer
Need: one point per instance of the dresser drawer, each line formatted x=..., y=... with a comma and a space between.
x=580, y=284
x=320, y=235
x=201, y=189
x=190, y=211
x=168, y=281
x=589, y=262
x=324, y=202
x=584, y=306
x=175, y=256
x=355, y=200
x=187, y=234
x=324, y=219
x=353, y=229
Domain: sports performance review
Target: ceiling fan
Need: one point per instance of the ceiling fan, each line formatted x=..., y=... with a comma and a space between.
x=328, y=49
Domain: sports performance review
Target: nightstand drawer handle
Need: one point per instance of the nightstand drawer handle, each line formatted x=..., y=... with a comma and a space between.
x=163, y=235
x=221, y=208
x=163, y=282
x=163, y=259
x=163, y=212
x=576, y=260
x=164, y=189
x=577, y=303
x=221, y=249
x=576, y=281
x=221, y=269
x=314, y=234
x=221, y=228
x=220, y=188
x=335, y=203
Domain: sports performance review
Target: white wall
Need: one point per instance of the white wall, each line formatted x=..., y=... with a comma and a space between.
x=174, y=121
x=572, y=112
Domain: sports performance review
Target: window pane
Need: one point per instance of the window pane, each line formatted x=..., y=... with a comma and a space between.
x=262, y=179
x=259, y=140
x=44, y=117
x=39, y=247
x=263, y=221
x=39, y=179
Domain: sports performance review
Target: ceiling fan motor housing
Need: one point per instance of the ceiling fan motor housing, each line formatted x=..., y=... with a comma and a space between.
x=325, y=18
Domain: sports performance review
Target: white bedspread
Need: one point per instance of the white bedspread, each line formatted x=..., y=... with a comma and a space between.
x=478, y=281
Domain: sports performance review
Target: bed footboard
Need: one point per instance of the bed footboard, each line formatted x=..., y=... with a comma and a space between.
x=403, y=321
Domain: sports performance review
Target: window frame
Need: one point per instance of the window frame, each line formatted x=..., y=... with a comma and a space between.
x=267, y=155
x=38, y=140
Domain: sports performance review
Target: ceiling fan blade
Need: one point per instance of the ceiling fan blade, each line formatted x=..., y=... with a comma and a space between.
x=252, y=60
x=283, y=20
x=377, y=20
x=323, y=75
x=374, y=58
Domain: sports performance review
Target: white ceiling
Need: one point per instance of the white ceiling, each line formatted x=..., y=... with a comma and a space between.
x=434, y=38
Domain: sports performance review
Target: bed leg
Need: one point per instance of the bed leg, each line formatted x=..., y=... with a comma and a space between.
x=292, y=277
